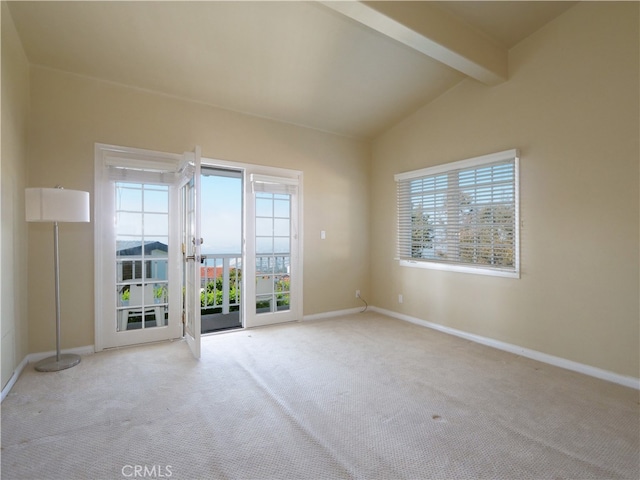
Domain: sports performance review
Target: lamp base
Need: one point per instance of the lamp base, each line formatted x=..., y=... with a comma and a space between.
x=52, y=364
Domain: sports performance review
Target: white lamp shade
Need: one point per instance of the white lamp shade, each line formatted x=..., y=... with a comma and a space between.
x=56, y=205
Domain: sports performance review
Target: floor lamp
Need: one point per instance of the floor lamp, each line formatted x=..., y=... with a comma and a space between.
x=56, y=205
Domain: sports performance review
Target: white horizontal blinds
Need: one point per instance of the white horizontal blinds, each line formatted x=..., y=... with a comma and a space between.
x=186, y=170
x=487, y=202
x=275, y=185
x=464, y=213
x=422, y=215
x=207, y=171
x=160, y=171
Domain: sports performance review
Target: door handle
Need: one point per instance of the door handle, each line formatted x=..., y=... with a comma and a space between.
x=201, y=258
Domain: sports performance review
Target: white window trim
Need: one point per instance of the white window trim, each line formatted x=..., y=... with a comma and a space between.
x=512, y=154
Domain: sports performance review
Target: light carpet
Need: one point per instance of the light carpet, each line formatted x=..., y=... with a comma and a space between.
x=362, y=396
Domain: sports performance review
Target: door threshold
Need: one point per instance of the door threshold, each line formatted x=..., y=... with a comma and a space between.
x=222, y=330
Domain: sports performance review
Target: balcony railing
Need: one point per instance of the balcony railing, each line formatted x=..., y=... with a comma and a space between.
x=220, y=282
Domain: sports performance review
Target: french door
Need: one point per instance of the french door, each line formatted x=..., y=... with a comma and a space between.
x=273, y=272
x=191, y=242
x=271, y=285
x=137, y=246
x=148, y=271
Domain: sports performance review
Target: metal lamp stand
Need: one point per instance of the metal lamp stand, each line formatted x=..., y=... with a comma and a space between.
x=59, y=361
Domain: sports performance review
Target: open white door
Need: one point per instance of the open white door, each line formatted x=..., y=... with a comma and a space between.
x=191, y=241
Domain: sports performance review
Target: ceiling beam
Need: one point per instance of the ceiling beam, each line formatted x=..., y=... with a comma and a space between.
x=433, y=32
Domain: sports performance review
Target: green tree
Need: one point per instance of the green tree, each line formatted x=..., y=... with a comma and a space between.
x=487, y=236
x=212, y=294
x=421, y=232
x=282, y=291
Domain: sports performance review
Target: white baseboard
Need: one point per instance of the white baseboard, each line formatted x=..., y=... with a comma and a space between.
x=36, y=357
x=625, y=380
x=14, y=378
x=335, y=313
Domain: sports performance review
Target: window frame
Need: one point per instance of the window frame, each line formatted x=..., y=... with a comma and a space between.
x=507, y=156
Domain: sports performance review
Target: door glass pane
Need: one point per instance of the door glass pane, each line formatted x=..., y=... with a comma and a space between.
x=282, y=264
x=156, y=200
x=142, y=243
x=282, y=207
x=264, y=245
x=129, y=199
x=281, y=245
x=282, y=283
x=264, y=265
x=264, y=227
x=273, y=252
x=263, y=303
x=281, y=227
x=264, y=206
x=129, y=223
x=156, y=224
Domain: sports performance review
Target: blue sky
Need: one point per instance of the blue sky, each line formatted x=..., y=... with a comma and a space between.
x=221, y=199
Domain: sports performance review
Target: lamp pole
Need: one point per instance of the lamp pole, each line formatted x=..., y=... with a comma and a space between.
x=56, y=254
x=66, y=360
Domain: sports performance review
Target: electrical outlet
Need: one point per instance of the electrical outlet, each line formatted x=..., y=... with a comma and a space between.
x=400, y=299
x=357, y=293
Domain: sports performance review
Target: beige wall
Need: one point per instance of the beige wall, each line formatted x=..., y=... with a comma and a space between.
x=571, y=107
x=71, y=113
x=13, y=173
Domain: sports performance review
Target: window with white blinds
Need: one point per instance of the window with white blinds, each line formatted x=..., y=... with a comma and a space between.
x=461, y=216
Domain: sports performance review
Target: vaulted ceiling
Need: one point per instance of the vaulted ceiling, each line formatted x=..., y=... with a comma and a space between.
x=352, y=68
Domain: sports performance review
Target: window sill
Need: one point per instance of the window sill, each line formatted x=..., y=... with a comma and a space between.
x=459, y=268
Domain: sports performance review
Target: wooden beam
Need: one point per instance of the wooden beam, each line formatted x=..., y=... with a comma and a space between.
x=433, y=32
